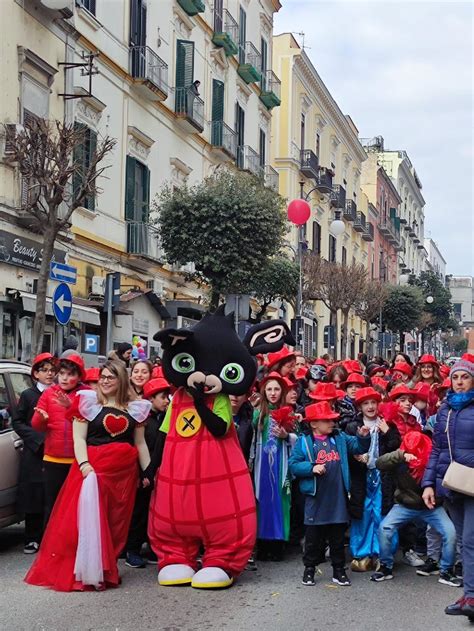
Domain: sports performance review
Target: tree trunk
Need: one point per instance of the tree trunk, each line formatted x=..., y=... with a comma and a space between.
x=402, y=341
x=43, y=276
x=215, y=297
x=345, y=334
x=333, y=322
x=368, y=342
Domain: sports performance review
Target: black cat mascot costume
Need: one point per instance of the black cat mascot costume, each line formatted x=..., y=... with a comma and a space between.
x=204, y=493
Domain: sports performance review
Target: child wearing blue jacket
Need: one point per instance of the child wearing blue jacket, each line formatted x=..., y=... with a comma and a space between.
x=320, y=462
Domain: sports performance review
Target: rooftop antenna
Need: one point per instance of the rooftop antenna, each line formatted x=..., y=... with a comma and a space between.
x=302, y=35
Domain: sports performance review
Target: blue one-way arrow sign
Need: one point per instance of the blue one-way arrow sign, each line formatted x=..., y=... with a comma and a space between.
x=62, y=303
x=63, y=273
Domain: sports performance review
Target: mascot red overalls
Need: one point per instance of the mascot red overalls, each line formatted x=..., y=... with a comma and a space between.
x=204, y=492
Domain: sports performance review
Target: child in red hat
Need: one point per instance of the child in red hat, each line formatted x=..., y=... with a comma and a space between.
x=157, y=391
x=346, y=407
x=371, y=492
x=320, y=461
x=30, y=498
x=401, y=373
x=53, y=415
x=421, y=398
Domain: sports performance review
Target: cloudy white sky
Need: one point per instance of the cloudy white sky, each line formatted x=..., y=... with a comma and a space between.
x=404, y=70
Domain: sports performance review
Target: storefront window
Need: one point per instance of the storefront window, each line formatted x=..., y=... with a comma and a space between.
x=8, y=336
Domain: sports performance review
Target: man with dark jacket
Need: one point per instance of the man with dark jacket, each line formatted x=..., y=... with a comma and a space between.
x=242, y=412
x=30, y=500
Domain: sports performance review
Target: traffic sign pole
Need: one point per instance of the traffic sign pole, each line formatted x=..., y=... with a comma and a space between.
x=109, y=295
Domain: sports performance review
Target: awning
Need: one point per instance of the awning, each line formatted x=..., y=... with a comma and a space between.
x=80, y=313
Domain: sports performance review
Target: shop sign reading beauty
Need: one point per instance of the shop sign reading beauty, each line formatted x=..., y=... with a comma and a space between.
x=22, y=252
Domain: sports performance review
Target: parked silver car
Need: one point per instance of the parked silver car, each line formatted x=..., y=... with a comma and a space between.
x=14, y=378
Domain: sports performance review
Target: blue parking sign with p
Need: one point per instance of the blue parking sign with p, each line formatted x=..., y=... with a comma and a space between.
x=91, y=343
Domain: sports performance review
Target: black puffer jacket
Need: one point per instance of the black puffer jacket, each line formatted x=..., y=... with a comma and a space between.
x=387, y=442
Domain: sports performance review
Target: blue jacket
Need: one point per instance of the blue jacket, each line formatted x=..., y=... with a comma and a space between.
x=461, y=433
x=303, y=458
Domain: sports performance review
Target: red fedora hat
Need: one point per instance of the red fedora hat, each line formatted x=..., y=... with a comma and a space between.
x=321, y=411
x=324, y=392
x=354, y=378
x=364, y=394
x=400, y=391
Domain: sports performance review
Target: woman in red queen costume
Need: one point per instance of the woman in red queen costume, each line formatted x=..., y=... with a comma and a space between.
x=90, y=520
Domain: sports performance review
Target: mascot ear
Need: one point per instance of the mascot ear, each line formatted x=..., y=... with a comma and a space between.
x=268, y=337
x=169, y=337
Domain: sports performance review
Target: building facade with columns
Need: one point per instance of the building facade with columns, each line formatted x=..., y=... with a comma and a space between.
x=315, y=144
x=435, y=260
x=184, y=87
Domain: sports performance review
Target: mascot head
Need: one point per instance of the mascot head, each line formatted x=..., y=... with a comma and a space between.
x=212, y=353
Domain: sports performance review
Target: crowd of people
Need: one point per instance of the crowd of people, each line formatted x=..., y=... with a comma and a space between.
x=376, y=454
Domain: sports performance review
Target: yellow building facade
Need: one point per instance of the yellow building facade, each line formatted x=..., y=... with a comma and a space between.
x=314, y=143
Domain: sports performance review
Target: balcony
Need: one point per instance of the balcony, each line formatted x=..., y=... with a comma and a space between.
x=249, y=160
x=226, y=33
x=416, y=239
x=359, y=222
x=271, y=177
x=192, y=7
x=250, y=61
x=401, y=245
x=368, y=235
x=223, y=140
x=270, y=86
x=337, y=197
x=189, y=109
x=411, y=231
x=309, y=164
x=350, y=210
x=149, y=72
x=324, y=180
x=385, y=226
x=402, y=220
x=144, y=240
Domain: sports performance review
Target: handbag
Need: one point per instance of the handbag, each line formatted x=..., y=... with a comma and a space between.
x=458, y=477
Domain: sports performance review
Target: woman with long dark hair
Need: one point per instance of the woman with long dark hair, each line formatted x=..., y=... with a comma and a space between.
x=89, y=524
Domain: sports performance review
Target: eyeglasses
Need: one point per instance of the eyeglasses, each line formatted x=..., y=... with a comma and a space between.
x=107, y=378
x=51, y=370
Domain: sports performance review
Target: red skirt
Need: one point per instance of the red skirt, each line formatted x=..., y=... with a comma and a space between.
x=117, y=473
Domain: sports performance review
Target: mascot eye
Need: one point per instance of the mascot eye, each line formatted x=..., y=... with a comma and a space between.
x=232, y=373
x=183, y=362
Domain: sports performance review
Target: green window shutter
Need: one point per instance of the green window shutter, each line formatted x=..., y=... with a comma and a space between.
x=145, y=193
x=78, y=158
x=91, y=146
x=217, y=100
x=184, y=63
x=242, y=34
x=130, y=189
x=264, y=51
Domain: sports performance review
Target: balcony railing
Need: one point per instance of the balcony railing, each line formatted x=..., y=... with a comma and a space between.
x=225, y=138
x=337, y=196
x=190, y=108
x=226, y=32
x=368, y=235
x=271, y=177
x=359, y=223
x=324, y=181
x=309, y=164
x=248, y=160
x=149, y=69
x=250, y=62
x=192, y=7
x=350, y=211
x=144, y=240
x=270, y=86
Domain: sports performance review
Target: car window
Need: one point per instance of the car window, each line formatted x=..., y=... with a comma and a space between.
x=5, y=411
x=20, y=381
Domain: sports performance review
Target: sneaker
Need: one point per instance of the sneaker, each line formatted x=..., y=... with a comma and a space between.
x=430, y=568
x=251, y=565
x=458, y=570
x=308, y=576
x=447, y=578
x=411, y=558
x=340, y=577
x=31, y=548
x=384, y=574
x=151, y=558
x=456, y=608
x=135, y=560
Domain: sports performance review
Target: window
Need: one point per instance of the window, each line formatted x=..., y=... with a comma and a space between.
x=242, y=34
x=264, y=62
x=240, y=131
x=218, y=16
x=137, y=192
x=83, y=154
x=184, y=63
x=302, y=130
x=217, y=112
x=137, y=37
x=87, y=4
x=344, y=255
x=262, y=147
x=316, y=238
x=332, y=249
x=318, y=144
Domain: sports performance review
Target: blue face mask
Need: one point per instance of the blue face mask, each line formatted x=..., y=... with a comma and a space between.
x=460, y=400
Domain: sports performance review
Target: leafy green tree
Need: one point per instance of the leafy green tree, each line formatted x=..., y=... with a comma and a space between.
x=440, y=310
x=228, y=225
x=279, y=278
x=403, y=309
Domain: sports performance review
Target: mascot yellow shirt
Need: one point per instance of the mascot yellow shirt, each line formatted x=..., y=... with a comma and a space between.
x=221, y=407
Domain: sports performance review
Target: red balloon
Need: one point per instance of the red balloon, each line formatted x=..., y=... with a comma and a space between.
x=299, y=211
